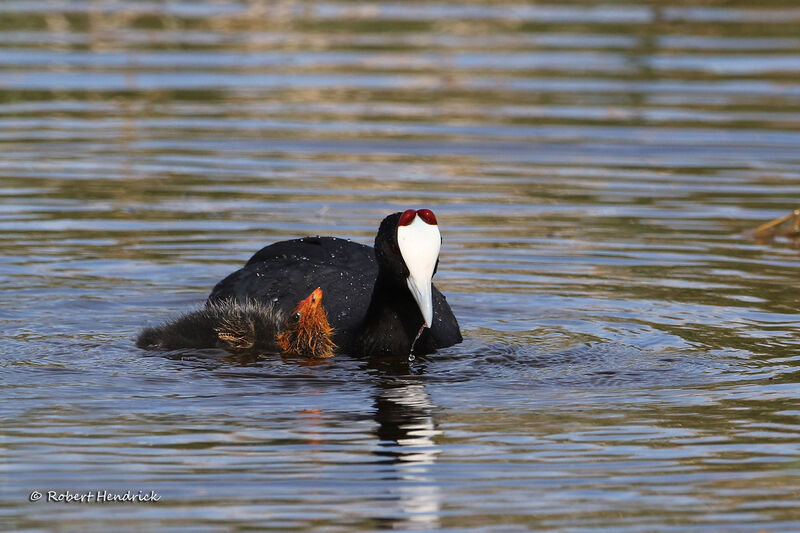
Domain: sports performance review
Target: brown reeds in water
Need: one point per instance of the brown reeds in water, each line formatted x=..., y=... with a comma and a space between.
x=785, y=226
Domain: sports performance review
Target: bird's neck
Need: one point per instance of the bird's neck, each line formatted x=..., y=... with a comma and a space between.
x=393, y=319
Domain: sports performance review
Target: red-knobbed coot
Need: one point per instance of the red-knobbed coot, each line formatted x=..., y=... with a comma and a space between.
x=377, y=299
x=248, y=325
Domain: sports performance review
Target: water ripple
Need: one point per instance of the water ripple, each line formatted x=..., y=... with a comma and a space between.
x=630, y=357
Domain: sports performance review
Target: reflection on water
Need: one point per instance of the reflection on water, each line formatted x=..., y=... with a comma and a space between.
x=405, y=435
x=630, y=357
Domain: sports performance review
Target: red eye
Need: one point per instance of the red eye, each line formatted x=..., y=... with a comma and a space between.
x=407, y=217
x=426, y=215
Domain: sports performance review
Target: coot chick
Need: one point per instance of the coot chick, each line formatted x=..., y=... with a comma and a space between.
x=377, y=299
x=248, y=325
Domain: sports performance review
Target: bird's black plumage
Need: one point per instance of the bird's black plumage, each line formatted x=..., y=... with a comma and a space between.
x=366, y=297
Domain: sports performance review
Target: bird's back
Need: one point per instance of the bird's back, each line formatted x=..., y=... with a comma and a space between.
x=286, y=272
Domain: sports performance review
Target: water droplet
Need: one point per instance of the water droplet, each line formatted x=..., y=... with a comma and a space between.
x=411, y=352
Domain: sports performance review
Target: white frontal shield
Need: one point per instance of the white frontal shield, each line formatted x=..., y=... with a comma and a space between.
x=419, y=244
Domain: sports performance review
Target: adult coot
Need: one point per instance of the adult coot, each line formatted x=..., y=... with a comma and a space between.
x=378, y=300
x=248, y=326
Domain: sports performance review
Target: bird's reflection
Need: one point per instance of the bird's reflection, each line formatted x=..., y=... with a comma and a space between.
x=406, y=432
